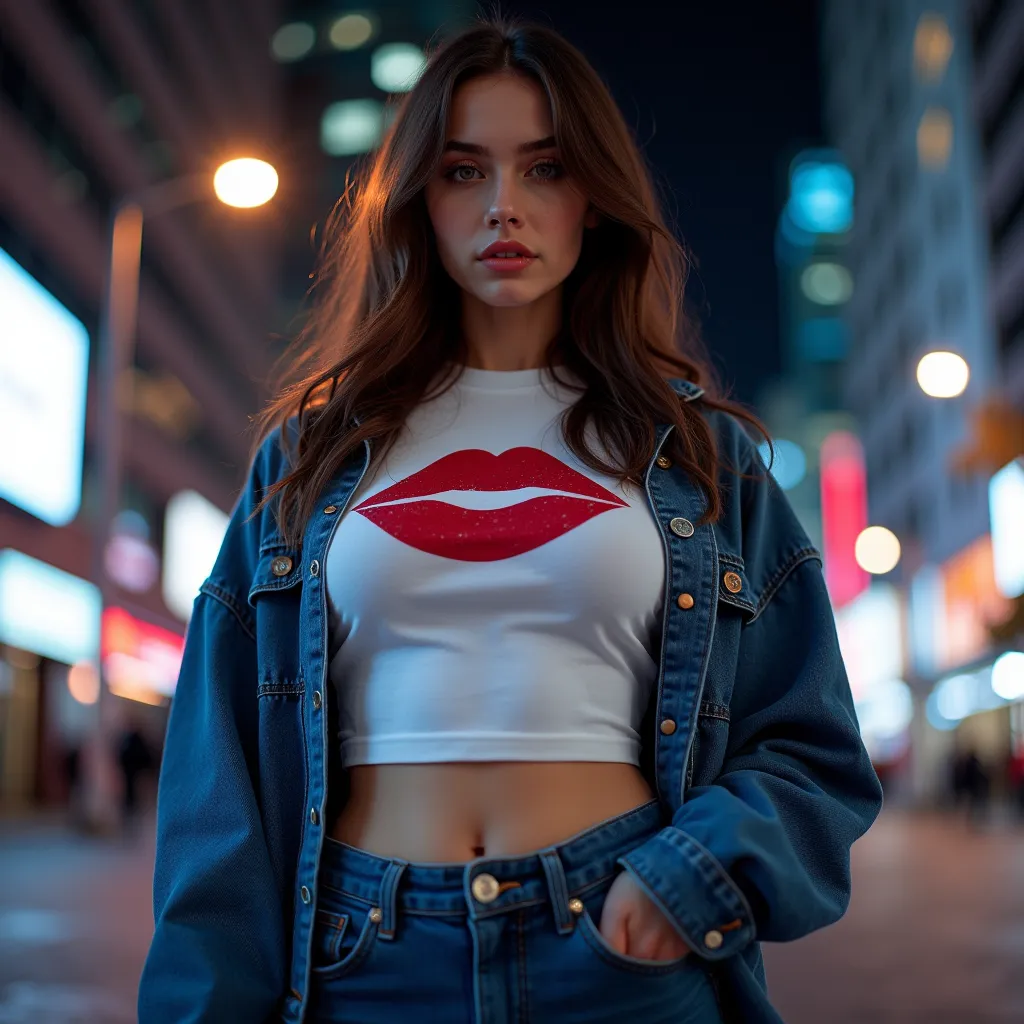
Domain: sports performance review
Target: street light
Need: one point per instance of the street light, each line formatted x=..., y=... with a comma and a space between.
x=243, y=182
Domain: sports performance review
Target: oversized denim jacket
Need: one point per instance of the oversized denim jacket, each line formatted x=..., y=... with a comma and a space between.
x=751, y=744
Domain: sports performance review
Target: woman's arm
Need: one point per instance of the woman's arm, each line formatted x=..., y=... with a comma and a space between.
x=764, y=852
x=218, y=952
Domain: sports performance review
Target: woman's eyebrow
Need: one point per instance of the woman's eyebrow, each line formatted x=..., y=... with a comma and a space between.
x=454, y=145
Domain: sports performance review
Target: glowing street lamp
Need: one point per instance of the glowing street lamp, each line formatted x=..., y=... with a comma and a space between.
x=243, y=182
x=943, y=374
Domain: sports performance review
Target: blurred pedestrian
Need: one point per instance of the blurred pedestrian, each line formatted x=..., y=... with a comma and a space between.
x=1015, y=780
x=972, y=786
x=135, y=758
x=568, y=758
x=71, y=764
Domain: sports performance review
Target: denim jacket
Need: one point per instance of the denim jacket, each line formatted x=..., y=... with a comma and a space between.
x=751, y=744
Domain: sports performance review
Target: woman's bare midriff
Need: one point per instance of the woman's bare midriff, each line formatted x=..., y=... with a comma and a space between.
x=453, y=812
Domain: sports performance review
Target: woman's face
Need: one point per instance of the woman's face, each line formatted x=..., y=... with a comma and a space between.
x=489, y=189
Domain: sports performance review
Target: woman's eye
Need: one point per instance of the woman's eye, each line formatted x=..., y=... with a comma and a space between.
x=454, y=172
x=552, y=168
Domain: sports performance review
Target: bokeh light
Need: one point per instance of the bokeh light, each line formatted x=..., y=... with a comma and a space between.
x=396, y=67
x=84, y=682
x=292, y=41
x=351, y=126
x=943, y=374
x=1008, y=675
x=877, y=550
x=351, y=31
x=826, y=283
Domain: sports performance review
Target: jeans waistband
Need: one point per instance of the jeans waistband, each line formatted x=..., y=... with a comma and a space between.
x=556, y=872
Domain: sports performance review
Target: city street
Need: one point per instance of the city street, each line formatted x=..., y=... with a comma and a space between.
x=935, y=932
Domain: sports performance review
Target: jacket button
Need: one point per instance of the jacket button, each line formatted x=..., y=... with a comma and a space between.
x=281, y=566
x=304, y=893
x=330, y=510
x=576, y=905
x=681, y=527
x=314, y=568
x=317, y=699
x=732, y=582
x=685, y=601
x=485, y=888
x=313, y=816
x=664, y=462
x=713, y=939
x=668, y=727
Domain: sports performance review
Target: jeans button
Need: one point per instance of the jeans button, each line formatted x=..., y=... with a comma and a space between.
x=485, y=888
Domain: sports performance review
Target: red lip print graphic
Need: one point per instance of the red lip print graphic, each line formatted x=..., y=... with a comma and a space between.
x=487, y=535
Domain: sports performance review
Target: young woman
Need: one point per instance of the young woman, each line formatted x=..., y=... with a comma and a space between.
x=514, y=694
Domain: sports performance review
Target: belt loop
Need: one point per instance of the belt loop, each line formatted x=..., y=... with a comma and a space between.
x=558, y=890
x=389, y=898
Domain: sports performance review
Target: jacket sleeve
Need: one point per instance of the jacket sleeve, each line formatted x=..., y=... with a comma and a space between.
x=218, y=950
x=764, y=852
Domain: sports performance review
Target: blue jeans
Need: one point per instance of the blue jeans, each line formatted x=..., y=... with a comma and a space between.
x=492, y=941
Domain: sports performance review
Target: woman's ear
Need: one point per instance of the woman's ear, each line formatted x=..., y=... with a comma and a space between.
x=592, y=218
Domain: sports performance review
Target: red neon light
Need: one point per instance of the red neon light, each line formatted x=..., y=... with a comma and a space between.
x=844, y=514
x=122, y=633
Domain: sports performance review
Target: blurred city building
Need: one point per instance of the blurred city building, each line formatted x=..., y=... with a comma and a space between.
x=925, y=102
x=100, y=100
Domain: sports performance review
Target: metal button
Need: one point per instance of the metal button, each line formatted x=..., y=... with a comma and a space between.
x=313, y=816
x=281, y=566
x=713, y=939
x=732, y=582
x=682, y=527
x=664, y=462
x=668, y=727
x=330, y=510
x=304, y=893
x=376, y=915
x=485, y=888
x=314, y=568
x=576, y=906
x=317, y=699
x=685, y=601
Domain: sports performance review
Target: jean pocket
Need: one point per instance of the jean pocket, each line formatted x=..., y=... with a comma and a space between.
x=598, y=945
x=342, y=938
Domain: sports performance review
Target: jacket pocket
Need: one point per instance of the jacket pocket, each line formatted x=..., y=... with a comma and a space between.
x=275, y=596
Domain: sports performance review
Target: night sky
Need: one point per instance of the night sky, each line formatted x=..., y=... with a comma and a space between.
x=721, y=95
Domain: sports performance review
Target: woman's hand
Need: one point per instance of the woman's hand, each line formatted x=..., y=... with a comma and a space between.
x=634, y=926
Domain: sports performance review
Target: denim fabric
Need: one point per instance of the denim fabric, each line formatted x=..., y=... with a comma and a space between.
x=440, y=955
x=751, y=745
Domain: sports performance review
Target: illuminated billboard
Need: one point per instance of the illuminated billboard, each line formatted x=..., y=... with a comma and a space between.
x=141, y=661
x=44, y=359
x=844, y=514
x=1006, y=513
x=47, y=611
x=194, y=530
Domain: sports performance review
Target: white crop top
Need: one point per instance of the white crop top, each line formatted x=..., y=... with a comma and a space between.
x=491, y=597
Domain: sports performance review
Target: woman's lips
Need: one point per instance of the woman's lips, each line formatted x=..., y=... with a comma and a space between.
x=485, y=535
x=504, y=264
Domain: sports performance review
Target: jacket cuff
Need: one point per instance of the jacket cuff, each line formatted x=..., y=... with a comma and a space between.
x=693, y=890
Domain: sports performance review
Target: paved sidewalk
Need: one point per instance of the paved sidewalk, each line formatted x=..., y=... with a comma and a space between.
x=934, y=933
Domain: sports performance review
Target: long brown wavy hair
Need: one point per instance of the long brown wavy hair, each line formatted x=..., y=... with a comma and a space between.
x=386, y=317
